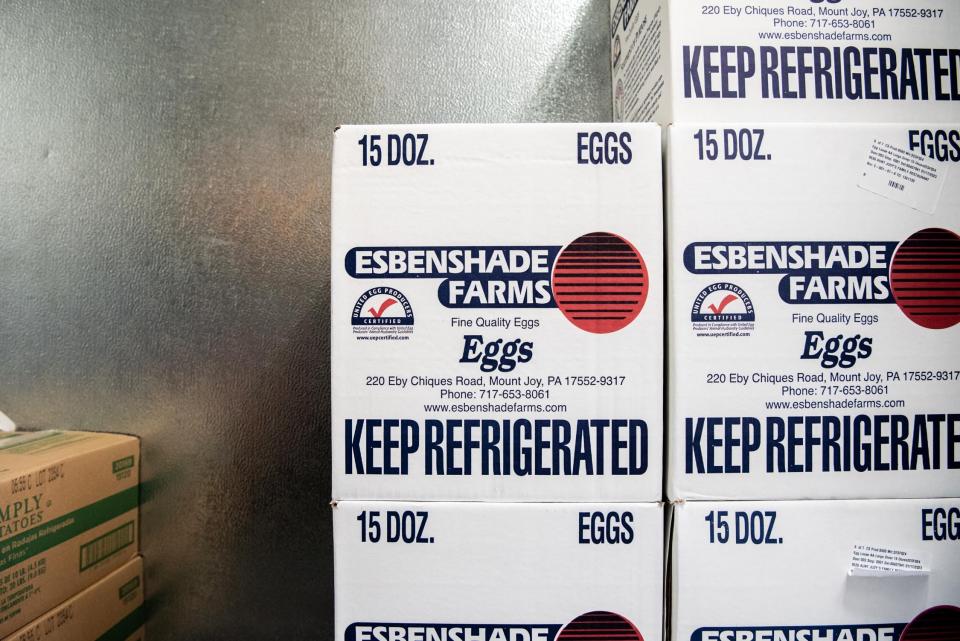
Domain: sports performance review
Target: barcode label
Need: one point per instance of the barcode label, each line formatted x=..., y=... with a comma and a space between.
x=903, y=176
x=106, y=546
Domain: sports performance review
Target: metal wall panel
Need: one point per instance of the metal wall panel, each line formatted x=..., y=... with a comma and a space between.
x=164, y=214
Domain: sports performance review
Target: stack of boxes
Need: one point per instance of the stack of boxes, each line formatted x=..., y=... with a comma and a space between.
x=69, y=535
x=814, y=296
x=497, y=329
x=497, y=320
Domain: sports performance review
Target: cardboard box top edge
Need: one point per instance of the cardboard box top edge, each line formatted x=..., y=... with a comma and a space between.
x=24, y=451
x=514, y=504
x=346, y=127
x=864, y=125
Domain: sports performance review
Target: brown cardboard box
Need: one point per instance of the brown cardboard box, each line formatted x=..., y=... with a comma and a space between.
x=68, y=516
x=109, y=610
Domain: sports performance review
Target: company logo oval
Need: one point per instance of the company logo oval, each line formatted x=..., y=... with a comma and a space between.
x=723, y=303
x=941, y=623
x=382, y=313
x=382, y=306
x=600, y=282
x=925, y=278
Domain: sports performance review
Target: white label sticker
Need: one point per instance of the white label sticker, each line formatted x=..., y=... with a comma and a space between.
x=886, y=561
x=904, y=176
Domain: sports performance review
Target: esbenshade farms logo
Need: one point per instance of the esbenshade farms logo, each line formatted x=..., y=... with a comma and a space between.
x=382, y=313
x=599, y=281
x=921, y=275
x=593, y=626
x=723, y=309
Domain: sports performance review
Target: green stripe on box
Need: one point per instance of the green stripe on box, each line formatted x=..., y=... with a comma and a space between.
x=127, y=626
x=25, y=545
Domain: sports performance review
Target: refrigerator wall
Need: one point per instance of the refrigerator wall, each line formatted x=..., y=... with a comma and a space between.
x=164, y=215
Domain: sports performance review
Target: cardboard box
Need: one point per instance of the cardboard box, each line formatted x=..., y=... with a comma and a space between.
x=815, y=302
x=816, y=570
x=498, y=571
x=497, y=312
x=68, y=516
x=676, y=61
x=109, y=610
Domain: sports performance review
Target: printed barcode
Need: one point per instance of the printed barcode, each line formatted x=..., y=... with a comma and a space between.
x=106, y=546
x=896, y=185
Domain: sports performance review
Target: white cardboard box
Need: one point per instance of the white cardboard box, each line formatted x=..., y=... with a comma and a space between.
x=455, y=375
x=676, y=61
x=815, y=570
x=498, y=571
x=814, y=302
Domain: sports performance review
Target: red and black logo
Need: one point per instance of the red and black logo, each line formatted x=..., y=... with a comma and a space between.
x=941, y=623
x=925, y=278
x=600, y=626
x=600, y=282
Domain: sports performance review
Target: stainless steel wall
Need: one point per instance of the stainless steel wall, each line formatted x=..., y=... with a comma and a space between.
x=164, y=214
